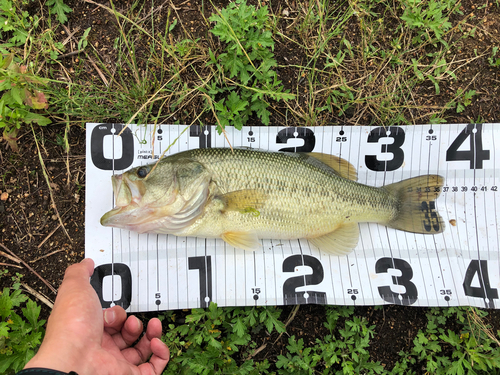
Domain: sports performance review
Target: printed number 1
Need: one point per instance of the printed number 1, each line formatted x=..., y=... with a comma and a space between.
x=204, y=265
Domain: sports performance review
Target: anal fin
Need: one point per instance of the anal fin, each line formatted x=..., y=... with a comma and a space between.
x=339, y=242
x=242, y=240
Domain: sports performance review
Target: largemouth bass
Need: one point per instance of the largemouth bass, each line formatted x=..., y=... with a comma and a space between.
x=246, y=195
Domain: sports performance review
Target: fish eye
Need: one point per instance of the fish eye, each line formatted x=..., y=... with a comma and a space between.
x=142, y=172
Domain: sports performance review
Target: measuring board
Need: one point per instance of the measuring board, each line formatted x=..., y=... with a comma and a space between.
x=149, y=272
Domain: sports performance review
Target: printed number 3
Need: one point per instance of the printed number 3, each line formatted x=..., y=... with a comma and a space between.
x=411, y=294
x=398, y=135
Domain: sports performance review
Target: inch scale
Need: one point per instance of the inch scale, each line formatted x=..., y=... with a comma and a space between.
x=150, y=272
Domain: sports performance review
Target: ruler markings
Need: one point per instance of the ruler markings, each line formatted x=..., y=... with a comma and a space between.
x=465, y=234
x=429, y=157
x=488, y=303
x=496, y=207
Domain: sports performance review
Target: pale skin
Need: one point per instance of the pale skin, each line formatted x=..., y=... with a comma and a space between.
x=81, y=337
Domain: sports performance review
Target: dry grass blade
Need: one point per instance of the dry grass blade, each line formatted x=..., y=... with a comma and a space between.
x=29, y=268
x=39, y=296
x=289, y=320
x=14, y=259
x=46, y=255
x=10, y=265
x=49, y=235
x=477, y=321
x=44, y=170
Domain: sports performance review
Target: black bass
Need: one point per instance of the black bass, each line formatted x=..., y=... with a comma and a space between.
x=246, y=195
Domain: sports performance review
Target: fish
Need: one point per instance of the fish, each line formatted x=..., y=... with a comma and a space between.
x=243, y=195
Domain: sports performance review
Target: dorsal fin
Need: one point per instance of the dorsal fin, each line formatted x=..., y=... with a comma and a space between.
x=341, y=166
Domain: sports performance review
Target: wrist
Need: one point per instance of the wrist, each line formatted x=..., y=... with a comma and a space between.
x=60, y=359
x=43, y=371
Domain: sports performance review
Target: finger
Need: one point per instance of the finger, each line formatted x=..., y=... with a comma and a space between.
x=142, y=350
x=78, y=272
x=114, y=319
x=130, y=332
x=159, y=359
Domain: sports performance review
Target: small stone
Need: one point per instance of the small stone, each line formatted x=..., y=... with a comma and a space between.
x=54, y=217
x=285, y=12
x=4, y=196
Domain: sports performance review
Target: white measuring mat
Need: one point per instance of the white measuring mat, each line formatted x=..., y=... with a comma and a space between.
x=149, y=272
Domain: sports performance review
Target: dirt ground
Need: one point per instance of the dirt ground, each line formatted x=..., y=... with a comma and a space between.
x=29, y=225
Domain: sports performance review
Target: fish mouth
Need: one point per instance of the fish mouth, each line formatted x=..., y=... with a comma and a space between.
x=127, y=198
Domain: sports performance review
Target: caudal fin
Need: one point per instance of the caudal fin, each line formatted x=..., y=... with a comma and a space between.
x=417, y=211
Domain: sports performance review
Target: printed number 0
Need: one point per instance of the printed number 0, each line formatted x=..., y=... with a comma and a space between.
x=398, y=135
x=116, y=269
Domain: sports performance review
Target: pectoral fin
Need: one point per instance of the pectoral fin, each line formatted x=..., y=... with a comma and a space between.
x=248, y=200
x=339, y=242
x=242, y=240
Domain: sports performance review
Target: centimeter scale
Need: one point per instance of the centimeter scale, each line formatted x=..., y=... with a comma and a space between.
x=148, y=272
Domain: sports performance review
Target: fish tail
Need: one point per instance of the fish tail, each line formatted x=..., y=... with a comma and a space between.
x=416, y=206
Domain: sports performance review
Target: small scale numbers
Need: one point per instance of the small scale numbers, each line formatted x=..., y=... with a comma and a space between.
x=352, y=293
x=446, y=293
x=256, y=292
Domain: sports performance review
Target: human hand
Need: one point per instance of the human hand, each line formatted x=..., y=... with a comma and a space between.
x=81, y=338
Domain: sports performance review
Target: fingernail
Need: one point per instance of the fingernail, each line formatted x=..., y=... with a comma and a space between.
x=109, y=316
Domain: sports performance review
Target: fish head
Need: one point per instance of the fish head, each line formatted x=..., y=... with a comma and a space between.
x=151, y=199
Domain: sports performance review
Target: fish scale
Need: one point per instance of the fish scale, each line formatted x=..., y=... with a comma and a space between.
x=244, y=195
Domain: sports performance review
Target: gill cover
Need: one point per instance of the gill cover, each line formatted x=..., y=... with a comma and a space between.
x=160, y=200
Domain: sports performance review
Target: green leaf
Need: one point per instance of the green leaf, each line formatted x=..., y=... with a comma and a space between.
x=239, y=328
x=235, y=103
x=34, y=117
x=58, y=7
x=4, y=329
x=31, y=312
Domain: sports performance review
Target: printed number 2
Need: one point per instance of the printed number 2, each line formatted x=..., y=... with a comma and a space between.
x=303, y=133
x=398, y=135
x=290, y=296
x=411, y=294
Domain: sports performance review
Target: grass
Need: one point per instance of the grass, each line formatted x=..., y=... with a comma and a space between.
x=370, y=62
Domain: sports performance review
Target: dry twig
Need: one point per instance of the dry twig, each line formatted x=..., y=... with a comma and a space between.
x=28, y=267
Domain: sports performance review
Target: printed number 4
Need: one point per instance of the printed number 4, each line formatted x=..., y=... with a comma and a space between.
x=475, y=153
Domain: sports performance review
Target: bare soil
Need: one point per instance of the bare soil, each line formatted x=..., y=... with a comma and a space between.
x=29, y=225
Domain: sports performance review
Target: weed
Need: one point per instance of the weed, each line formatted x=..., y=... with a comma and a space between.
x=60, y=9
x=426, y=17
x=20, y=95
x=344, y=351
x=209, y=339
x=245, y=78
x=474, y=350
x=16, y=22
x=20, y=336
x=493, y=60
